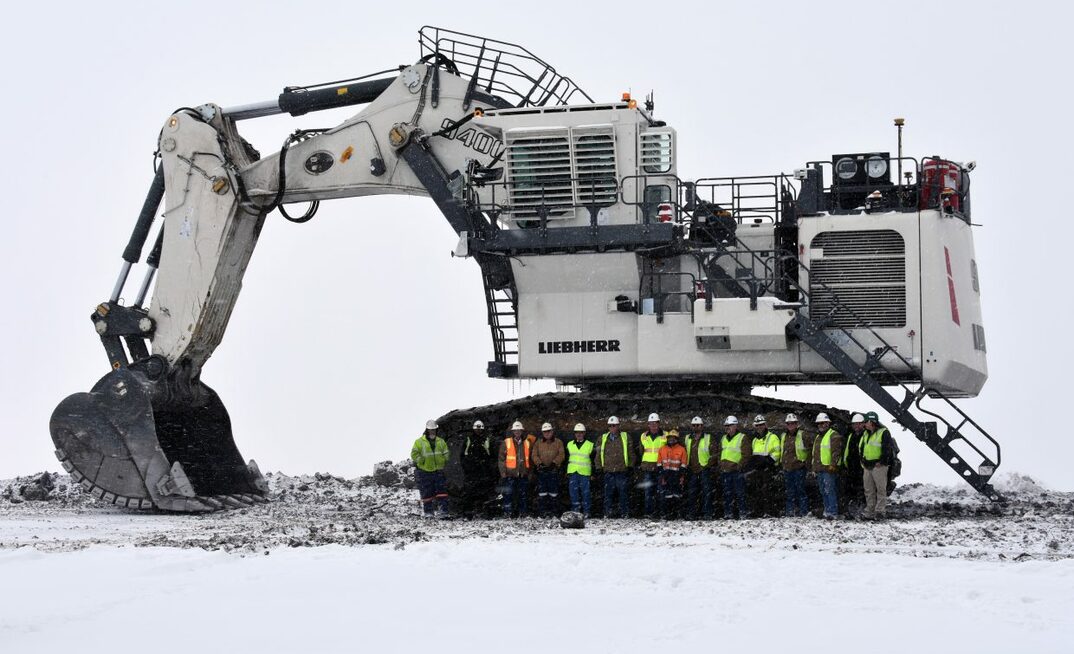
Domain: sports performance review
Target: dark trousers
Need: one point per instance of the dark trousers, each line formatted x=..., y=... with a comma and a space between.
x=514, y=496
x=649, y=482
x=699, y=494
x=671, y=492
x=432, y=486
x=616, y=483
x=794, y=483
x=829, y=493
x=547, y=491
x=734, y=491
x=578, y=485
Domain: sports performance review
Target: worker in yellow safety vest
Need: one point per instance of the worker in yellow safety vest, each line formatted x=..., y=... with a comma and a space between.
x=615, y=459
x=579, y=470
x=430, y=455
x=878, y=452
x=796, y=449
x=649, y=444
x=827, y=456
x=699, y=450
x=735, y=451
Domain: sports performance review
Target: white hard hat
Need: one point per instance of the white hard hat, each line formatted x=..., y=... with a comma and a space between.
x=791, y=418
x=546, y=427
x=579, y=427
x=730, y=420
x=758, y=419
x=431, y=424
x=697, y=421
x=857, y=417
x=478, y=424
x=517, y=425
x=822, y=417
x=654, y=417
x=613, y=420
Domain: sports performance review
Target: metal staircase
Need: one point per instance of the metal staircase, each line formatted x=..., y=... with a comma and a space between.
x=503, y=321
x=872, y=375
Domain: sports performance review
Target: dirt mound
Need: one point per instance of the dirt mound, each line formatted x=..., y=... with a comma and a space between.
x=52, y=487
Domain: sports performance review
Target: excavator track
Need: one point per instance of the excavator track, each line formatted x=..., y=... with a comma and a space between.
x=592, y=408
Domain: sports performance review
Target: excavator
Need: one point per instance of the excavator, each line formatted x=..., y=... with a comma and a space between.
x=603, y=269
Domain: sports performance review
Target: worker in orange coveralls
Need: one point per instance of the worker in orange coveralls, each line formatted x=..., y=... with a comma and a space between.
x=672, y=464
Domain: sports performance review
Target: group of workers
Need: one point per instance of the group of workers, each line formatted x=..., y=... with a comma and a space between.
x=675, y=474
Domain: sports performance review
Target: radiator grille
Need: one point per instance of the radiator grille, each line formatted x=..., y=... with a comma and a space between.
x=656, y=151
x=594, y=165
x=539, y=171
x=859, y=278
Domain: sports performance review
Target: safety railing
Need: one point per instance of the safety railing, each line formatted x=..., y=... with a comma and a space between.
x=499, y=68
x=530, y=204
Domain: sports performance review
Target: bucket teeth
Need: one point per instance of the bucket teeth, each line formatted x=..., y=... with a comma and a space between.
x=212, y=502
x=231, y=501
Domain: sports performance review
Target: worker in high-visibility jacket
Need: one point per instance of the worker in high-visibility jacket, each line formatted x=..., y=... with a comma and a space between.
x=765, y=445
x=699, y=451
x=430, y=455
x=878, y=452
x=649, y=444
x=579, y=470
x=615, y=459
x=672, y=466
x=827, y=456
x=764, y=490
x=796, y=450
x=547, y=457
x=515, y=471
x=735, y=452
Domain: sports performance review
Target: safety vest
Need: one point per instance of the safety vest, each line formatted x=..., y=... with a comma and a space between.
x=826, y=448
x=651, y=446
x=800, y=451
x=731, y=449
x=511, y=459
x=703, y=448
x=872, y=445
x=604, y=441
x=429, y=457
x=580, y=458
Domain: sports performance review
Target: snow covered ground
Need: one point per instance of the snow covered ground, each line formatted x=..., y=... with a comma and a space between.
x=339, y=565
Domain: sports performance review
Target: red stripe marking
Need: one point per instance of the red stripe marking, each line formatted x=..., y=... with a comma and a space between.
x=951, y=287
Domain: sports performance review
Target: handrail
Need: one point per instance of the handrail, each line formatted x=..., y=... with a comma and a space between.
x=498, y=66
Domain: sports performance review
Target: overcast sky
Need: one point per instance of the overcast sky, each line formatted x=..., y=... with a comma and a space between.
x=343, y=342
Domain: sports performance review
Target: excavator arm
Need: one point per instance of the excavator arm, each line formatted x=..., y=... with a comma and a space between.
x=150, y=432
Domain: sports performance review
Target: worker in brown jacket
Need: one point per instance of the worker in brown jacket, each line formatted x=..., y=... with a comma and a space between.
x=797, y=454
x=615, y=459
x=827, y=455
x=548, y=456
x=515, y=470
